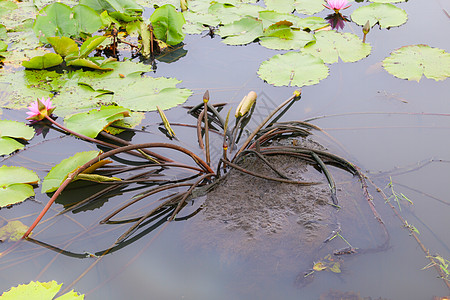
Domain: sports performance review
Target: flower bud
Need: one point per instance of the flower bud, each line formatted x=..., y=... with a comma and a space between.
x=245, y=105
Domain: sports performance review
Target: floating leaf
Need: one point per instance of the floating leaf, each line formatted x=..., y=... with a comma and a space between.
x=59, y=173
x=335, y=268
x=43, y=62
x=411, y=62
x=92, y=122
x=308, y=7
x=242, y=32
x=55, y=20
x=281, y=6
x=269, y=17
x=195, y=22
x=330, y=45
x=64, y=46
x=229, y=13
x=16, y=129
x=319, y=266
x=312, y=23
x=385, y=14
x=293, y=68
x=283, y=37
x=39, y=290
x=15, y=184
x=132, y=121
x=128, y=7
x=90, y=62
x=13, y=231
x=6, y=7
x=167, y=24
x=10, y=130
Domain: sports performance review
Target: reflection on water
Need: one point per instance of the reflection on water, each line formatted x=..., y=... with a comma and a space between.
x=385, y=125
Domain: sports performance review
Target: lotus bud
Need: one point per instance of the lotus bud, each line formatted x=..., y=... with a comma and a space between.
x=366, y=27
x=184, y=5
x=206, y=97
x=245, y=105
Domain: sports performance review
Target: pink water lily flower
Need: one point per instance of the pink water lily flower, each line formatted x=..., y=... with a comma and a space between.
x=40, y=108
x=337, y=5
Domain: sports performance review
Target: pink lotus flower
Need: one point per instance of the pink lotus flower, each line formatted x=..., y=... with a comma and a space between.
x=337, y=5
x=39, y=109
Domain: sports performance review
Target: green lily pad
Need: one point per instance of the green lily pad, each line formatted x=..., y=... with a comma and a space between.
x=9, y=145
x=293, y=69
x=330, y=45
x=43, y=62
x=132, y=121
x=411, y=62
x=64, y=46
x=385, y=14
x=312, y=23
x=55, y=20
x=269, y=17
x=195, y=22
x=308, y=7
x=128, y=7
x=242, y=32
x=59, y=173
x=3, y=34
x=10, y=130
x=283, y=37
x=88, y=20
x=13, y=231
x=90, y=62
x=229, y=13
x=281, y=6
x=167, y=24
x=15, y=184
x=6, y=7
x=16, y=130
x=92, y=122
x=39, y=290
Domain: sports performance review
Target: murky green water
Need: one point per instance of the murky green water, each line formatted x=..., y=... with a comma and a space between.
x=386, y=125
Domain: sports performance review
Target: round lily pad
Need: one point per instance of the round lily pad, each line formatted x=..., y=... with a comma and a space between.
x=411, y=62
x=308, y=7
x=293, y=69
x=385, y=14
x=330, y=45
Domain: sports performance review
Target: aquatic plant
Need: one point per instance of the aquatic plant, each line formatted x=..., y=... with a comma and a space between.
x=337, y=5
x=40, y=109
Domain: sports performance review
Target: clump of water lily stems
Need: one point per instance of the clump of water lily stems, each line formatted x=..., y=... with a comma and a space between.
x=203, y=177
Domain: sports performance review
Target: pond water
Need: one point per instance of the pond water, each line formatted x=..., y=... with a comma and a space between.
x=387, y=126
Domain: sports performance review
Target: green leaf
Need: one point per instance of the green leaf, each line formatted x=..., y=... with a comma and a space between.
x=312, y=23
x=90, y=62
x=3, y=34
x=92, y=122
x=132, y=121
x=15, y=184
x=64, y=46
x=9, y=145
x=43, y=62
x=330, y=45
x=88, y=20
x=129, y=7
x=242, y=32
x=167, y=24
x=385, y=14
x=229, y=13
x=336, y=268
x=308, y=7
x=13, y=231
x=6, y=7
x=16, y=129
x=269, y=17
x=39, y=290
x=285, y=38
x=59, y=173
x=55, y=20
x=90, y=45
x=293, y=69
x=411, y=62
x=281, y=6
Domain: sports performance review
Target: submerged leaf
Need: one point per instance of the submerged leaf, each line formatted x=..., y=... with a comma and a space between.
x=330, y=45
x=411, y=62
x=13, y=231
x=293, y=69
x=385, y=14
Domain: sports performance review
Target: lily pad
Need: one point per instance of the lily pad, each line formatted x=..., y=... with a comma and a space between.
x=6, y=7
x=15, y=185
x=283, y=37
x=64, y=46
x=229, y=13
x=330, y=45
x=92, y=122
x=312, y=23
x=308, y=7
x=10, y=130
x=55, y=20
x=411, y=62
x=242, y=32
x=13, y=231
x=59, y=173
x=293, y=69
x=281, y=6
x=167, y=24
x=385, y=14
x=39, y=290
x=43, y=62
x=269, y=17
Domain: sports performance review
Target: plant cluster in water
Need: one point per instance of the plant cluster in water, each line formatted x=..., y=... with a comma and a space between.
x=100, y=93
